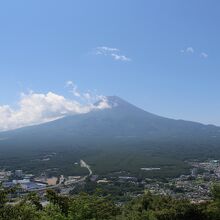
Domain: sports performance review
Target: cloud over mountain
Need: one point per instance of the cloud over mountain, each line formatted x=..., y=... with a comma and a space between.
x=35, y=108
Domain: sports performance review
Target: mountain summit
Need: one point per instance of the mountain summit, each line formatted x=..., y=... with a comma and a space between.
x=121, y=121
x=121, y=137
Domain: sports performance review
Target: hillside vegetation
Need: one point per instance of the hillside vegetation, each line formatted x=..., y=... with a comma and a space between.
x=95, y=207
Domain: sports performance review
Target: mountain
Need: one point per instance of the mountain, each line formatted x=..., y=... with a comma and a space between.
x=122, y=128
x=122, y=120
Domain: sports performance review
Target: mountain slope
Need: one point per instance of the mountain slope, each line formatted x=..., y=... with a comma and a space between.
x=122, y=137
x=122, y=120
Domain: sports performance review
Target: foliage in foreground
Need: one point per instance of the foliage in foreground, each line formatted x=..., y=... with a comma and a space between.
x=91, y=207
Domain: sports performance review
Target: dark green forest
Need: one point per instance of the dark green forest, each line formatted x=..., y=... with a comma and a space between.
x=121, y=138
x=92, y=207
x=129, y=157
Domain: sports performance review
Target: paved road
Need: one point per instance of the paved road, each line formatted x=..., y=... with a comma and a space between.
x=61, y=181
x=84, y=164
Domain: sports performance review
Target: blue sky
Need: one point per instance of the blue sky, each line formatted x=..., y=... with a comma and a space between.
x=166, y=62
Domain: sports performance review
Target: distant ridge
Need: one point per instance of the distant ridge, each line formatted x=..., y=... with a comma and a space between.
x=122, y=120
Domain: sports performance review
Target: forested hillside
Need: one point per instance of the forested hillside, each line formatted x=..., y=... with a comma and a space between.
x=123, y=137
x=95, y=207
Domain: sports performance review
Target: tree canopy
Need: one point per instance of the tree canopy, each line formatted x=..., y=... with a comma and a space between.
x=95, y=207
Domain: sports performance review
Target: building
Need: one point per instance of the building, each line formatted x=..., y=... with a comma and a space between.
x=18, y=173
x=24, y=181
x=194, y=172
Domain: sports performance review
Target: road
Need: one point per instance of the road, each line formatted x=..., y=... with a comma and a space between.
x=61, y=181
x=84, y=164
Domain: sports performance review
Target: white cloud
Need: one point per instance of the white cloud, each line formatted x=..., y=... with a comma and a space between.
x=73, y=88
x=120, y=57
x=204, y=55
x=87, y=96
x=35, y=108
x=69, y=83
x=189, y=50
x=104, y=49
x=111, y=52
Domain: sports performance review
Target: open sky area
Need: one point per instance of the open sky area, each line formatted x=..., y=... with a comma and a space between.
x=162, y=56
